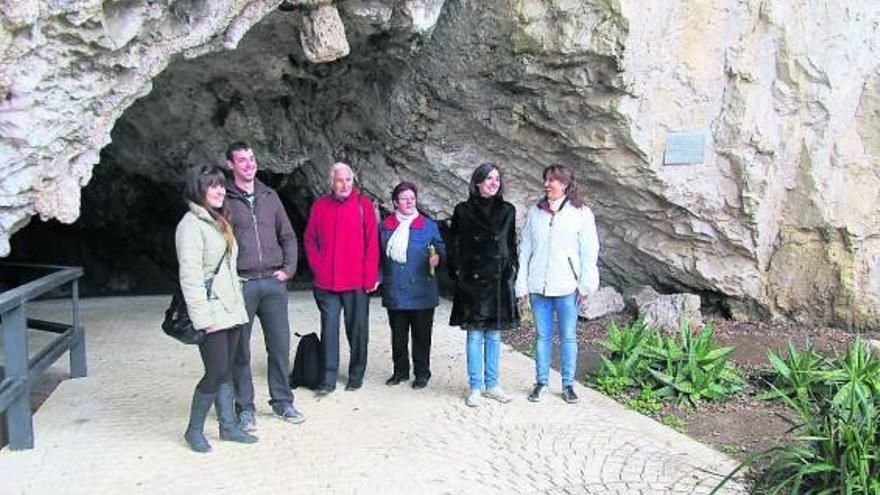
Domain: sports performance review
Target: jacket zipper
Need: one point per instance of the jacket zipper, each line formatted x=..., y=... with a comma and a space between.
x=257, y=235
x=547, y=265
x=573, y=272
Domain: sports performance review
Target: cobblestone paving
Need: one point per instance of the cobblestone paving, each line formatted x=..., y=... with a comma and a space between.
x=120, y=429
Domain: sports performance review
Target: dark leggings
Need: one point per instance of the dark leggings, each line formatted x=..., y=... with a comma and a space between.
x=218, y=352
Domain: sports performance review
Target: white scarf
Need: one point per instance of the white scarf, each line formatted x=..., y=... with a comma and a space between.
x=399, y=240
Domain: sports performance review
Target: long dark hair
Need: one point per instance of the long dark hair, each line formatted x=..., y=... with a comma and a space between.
x=198, y=180
x=480, y=174
x=565, y=175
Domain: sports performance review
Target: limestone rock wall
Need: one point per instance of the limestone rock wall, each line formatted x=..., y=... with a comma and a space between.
x=68, y=69
x=780, y=220
x=785, y=209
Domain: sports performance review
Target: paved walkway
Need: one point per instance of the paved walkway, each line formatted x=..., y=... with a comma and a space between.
x=120, y=429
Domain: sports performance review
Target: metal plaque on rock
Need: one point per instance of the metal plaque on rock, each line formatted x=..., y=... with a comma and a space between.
x=684, y=148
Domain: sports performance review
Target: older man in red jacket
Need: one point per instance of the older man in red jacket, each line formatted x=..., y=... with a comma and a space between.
x=342, y=246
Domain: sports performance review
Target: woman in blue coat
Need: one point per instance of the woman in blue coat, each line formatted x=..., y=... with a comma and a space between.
x=411, y=249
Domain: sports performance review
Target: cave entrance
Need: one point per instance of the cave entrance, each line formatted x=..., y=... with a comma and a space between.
x=299, y=117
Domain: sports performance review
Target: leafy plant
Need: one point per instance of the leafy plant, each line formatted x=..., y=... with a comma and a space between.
x=683, y=365
x=691, y=367
x=626, y=341
x=798, y=375
x=611, y=386
x=837, y=450
x=673, y=422
x=647, y=402
x=626, y=367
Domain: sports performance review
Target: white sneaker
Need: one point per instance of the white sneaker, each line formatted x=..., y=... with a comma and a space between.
x=473, y=398
x=497, y=394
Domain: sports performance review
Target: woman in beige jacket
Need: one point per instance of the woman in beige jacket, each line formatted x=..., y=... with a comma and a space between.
x=205, y=243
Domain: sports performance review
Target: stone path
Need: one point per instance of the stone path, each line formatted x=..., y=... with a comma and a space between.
x=120, y=429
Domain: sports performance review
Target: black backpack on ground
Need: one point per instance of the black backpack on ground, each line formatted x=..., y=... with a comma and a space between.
x=308, y=365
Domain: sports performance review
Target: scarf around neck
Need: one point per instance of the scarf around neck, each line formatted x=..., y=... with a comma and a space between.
x=399, y=239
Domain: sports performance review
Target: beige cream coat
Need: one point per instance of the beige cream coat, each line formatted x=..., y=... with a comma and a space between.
x=200, y=246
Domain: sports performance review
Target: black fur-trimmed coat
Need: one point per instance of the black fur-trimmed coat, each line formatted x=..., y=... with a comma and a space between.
x=482, y=261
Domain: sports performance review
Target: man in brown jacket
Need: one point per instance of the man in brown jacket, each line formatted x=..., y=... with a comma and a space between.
x=267, y=255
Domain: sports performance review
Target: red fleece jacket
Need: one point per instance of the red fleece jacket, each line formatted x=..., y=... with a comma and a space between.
x=342, y=243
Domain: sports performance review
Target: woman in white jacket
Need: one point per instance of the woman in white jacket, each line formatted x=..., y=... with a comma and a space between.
x=557, y=258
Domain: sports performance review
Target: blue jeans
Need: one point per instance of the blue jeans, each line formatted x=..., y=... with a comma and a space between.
x=483, y=346
x=566, y=312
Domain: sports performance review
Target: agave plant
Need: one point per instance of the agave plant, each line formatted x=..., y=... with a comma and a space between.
x=691, y=367
x=800, y=375
x=623, y=342
x=626, y=367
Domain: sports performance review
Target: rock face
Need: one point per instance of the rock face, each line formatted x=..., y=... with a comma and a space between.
x=670, y=311
x=68, y=69
x=604, y=302
x=323, y=35
x=778, y=220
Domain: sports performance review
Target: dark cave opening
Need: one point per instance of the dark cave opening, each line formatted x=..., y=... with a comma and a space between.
x=124, y=238
x=299, y=119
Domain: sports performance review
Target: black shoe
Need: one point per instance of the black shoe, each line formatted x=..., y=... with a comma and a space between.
x=539, y=392
x=324, y=390
x=396, y=380
x=569, y=396
x=419, y=383
x=351, y=387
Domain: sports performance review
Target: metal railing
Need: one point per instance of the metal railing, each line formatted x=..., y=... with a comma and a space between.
x=20, y=371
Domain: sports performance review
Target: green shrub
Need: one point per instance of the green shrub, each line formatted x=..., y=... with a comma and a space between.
x=683, y=366
x=799, y=375
x=673, y=422
x=837, y=449
x=626, y=366
x=690, y=367
x=647, y=402
x=611, y=386
x=626, y=341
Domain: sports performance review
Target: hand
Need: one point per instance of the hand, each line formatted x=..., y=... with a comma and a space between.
x=434, y=260
x=375, y=286
x=212, y=328
x=582, y=299
x=281, y=276
x=522, y=299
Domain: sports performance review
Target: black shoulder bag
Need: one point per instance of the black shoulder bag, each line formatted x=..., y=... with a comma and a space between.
x=177, y=323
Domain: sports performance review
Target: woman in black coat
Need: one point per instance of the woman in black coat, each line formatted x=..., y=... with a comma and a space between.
x=483, y=264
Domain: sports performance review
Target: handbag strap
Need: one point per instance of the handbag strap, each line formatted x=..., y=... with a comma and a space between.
x=219, y=263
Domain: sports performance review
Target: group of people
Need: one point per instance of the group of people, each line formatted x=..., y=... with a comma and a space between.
x=236, y=250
